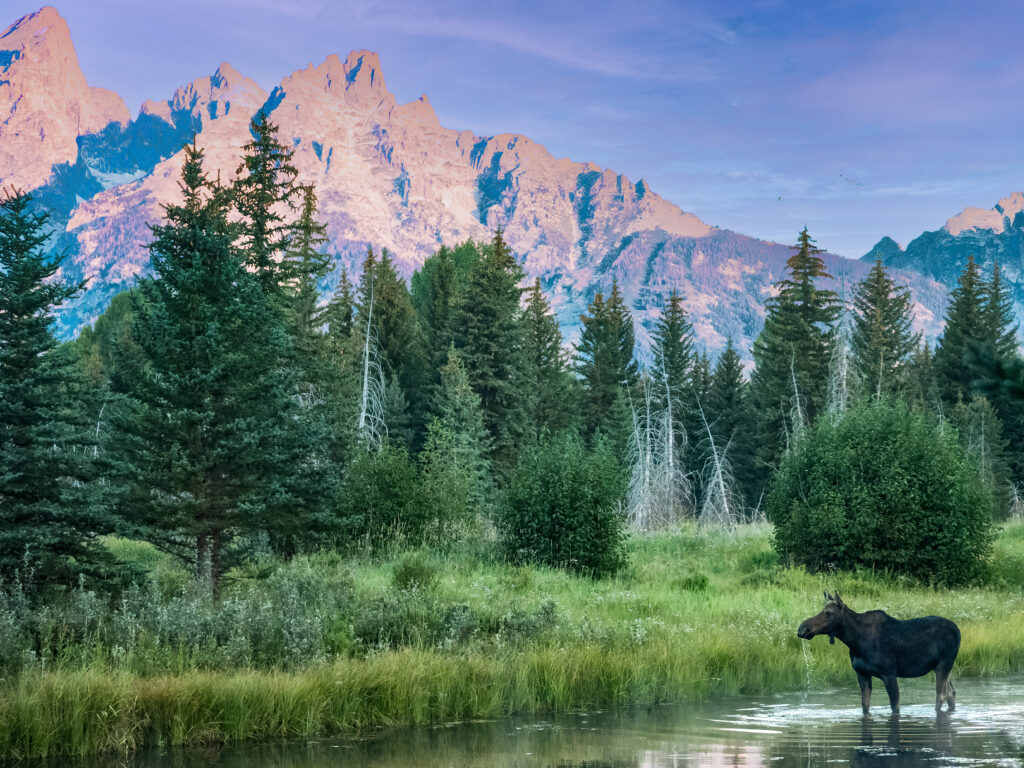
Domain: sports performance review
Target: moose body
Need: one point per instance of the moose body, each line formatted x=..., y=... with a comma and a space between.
x=887, y=648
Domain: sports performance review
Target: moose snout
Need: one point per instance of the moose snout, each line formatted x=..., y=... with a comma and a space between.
x=804, y=632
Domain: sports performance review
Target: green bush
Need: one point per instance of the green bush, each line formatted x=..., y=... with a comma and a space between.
x=383, y=500
x=883, y=488
x=413, y=570
x=561, y=509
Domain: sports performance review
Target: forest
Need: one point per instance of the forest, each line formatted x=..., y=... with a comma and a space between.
x=233, y=484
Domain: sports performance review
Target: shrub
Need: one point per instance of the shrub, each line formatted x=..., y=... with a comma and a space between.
x=413, y=570
x=383, y=499
x=560, y=509
x=883, y=488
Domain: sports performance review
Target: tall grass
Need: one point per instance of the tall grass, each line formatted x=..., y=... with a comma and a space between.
x=426, y=637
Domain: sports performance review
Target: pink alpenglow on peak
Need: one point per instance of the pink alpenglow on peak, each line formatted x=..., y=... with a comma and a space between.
x=45, y=101
x=993, y=219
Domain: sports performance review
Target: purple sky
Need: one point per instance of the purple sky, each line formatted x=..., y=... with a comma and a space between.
x=866, y=118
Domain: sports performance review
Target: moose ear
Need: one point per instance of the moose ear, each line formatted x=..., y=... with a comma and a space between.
x=827, y=598
x=839, y=601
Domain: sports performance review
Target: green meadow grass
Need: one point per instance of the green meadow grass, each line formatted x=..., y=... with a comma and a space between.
x=695, y=615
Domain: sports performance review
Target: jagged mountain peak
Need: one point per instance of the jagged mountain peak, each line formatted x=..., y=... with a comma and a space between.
x=994, y=219
x=45, y=101
x=37, y=24
x=209, y=97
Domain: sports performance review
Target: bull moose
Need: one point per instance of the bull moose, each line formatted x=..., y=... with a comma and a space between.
x=887, y=648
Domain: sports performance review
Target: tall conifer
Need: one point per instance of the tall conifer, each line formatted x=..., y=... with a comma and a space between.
x=47, y=527
x=882, y=340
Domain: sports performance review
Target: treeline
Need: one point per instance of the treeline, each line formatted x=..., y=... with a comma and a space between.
x=224, y=407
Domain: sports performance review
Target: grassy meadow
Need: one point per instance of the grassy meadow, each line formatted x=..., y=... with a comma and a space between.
x=327, y=644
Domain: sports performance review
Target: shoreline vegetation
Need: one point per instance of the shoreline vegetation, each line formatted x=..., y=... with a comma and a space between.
x=425, y=637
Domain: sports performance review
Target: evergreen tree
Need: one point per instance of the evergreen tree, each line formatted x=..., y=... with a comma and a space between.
x=489, y=336
x=733, y=421
x=458, y=442
x=966, y=321
x=339, y=314
x=793, y=351
x=882, y=338
x=437, y=290
x=981, y=434
x=548, y=383
x=922, y=389
x=207, y=442
x=264, y=192
x=1000, y=328
x=397, y=334
x=47, y=527
x=305, y=265
x=998, y=318
x=604, y=358
x=673, y=357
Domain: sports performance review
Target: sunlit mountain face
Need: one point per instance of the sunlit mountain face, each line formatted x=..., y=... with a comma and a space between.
x=387, y=175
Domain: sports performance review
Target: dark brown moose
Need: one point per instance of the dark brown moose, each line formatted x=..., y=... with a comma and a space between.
x=887, y=648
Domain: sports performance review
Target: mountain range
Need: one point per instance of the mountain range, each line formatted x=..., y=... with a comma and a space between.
x=390, y=175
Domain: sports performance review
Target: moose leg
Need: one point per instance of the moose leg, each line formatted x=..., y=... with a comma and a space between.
x=865, y=691
x=893, y=689
x=941, y=686
x=950, y=694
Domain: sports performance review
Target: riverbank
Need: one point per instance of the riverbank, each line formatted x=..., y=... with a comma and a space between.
x=427, y=637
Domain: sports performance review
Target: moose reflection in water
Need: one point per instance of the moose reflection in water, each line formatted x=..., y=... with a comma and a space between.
x=887, y=648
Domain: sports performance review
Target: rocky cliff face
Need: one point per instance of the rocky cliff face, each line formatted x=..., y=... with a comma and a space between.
x=45, y=102
x=988, y=235
x=387, y=174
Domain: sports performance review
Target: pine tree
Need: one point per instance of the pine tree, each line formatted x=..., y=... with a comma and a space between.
x=339, y=314
x=966, y=321
x=458, y=443
x=998, y=318
x=206, y=441
x=437, y=289
x=882, y=338
x=489, y=336
x=548, y=383
x=304, y=266
x=397, y=334
x=47, y=526
x=604, y=358
x=1000, y=328
x=672, y=351
x=264, y=192
x=733, y=421
x=793, y=351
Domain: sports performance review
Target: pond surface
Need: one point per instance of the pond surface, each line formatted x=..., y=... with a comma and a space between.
x=815, y=729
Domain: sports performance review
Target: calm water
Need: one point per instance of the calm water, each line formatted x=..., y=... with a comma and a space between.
x=818, y=729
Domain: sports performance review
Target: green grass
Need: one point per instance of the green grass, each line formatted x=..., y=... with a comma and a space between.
x=695, y=615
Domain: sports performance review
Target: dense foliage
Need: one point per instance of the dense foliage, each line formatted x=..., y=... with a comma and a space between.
x=250, y=398
x=885, y=489
x=560, y=509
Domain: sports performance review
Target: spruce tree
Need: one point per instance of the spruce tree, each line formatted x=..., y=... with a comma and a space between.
x=548, y=383
x=264, y=193
x=339, y=314
x=489, y=336
x=206, y=441
x=966, y=321
x=882, y=338
x=998, y=318
x=733, y=421
x=793, y=351
x=398, y=338
x=1000, y=328
x=47, y=527
x=305, y=264
x=458, y=442
x=604, y=359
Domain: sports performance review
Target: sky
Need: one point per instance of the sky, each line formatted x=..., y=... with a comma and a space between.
x=856, y=119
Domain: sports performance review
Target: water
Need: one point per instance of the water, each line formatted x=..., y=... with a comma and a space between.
x=812, y=729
